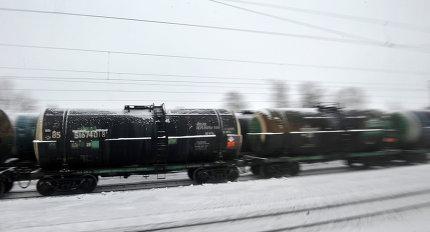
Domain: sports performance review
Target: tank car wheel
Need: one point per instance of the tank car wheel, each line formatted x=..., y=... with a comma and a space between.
x=232, y=174
x=255, y=169
x=190, y=173
x=8, y=185
x=201, y=176
x=351, y=163
x=88, y=183
x=2, y=188
x=267, y=171
x=47, y=186
x=294, y=168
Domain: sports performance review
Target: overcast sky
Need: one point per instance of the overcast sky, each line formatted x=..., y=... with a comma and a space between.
x=386, y=43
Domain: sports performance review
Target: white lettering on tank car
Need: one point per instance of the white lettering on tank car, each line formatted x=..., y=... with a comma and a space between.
x=90, y=134
x=204, y=126
x=56, y=134
x=201, y=145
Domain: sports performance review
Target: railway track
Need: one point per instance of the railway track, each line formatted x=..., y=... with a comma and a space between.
x=141, y=185
x=108, y=188
x=118, y=187
x=300, y=218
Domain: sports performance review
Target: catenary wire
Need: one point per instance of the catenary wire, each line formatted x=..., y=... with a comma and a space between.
x=194, y=83
x=173, y=100
x=350, y=68
x=143, y=91
x=385, y=44
x=178, y=75
x=381, y=22
x=309, y=25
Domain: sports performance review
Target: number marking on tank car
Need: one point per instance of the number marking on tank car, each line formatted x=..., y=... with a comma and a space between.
x=89, y=133
x=56, y=134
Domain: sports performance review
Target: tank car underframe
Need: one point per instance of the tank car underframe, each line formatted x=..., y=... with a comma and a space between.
x=6, y=180
x=386, y=157
x=270, y=167
x=267, y=167
x=19, y=171
x=85, y=180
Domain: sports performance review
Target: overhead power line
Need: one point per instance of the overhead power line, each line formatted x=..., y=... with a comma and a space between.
x=96, y=81
x=144, y=80
x=385, y=44
x=172, y=100
x=381, y=22
x=334, y=67
x=130, y=91
x=268, y=93
x=194, y=84
x=244, y=79
x=309, y=25
x=140, y=100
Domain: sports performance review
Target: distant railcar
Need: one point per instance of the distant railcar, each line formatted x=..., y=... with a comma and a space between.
x=6, y=137
x=16, y=144
x=284, y=137
x=410, y=132
x=16, y=137
x=411, y=128
x=276, y=132
x=25, y=129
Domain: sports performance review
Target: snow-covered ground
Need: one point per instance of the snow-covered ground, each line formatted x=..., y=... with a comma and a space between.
x=389, y=199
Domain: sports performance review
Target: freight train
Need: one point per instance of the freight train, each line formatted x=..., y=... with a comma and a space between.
x=67, y=150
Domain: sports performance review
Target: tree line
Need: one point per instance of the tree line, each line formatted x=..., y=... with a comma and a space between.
x=310, y=95
x=15, y=101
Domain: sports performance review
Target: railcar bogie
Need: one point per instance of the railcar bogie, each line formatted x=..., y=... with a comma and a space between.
x=218, y=174
x=190, y=173
x=2, y=188
x=50, y=184
x=264, y=167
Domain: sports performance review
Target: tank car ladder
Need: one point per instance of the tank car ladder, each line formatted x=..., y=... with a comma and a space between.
x=161, y=141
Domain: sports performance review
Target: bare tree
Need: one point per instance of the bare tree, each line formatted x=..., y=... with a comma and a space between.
x=393, y=105
x=234, y=101
x=311, y=94
x=351, y=97
x=14, y=100
x=279, y=94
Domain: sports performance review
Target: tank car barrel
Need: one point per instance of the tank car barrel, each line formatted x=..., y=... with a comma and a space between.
x=7, y=137
x=113, y=139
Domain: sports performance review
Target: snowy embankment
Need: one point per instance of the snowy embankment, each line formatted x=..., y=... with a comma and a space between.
x=394, y=199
